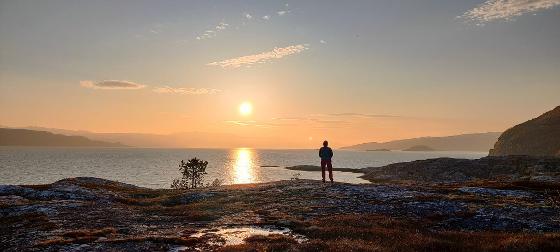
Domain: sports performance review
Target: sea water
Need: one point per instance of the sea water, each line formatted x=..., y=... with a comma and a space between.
x=157, y=167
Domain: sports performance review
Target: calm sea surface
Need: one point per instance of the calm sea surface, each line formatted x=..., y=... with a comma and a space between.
x=156, y=168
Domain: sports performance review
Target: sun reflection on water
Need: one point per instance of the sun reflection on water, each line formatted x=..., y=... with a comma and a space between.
x=243, y=167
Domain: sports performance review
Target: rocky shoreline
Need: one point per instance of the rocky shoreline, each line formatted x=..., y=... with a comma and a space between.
x=502, y=168
x=451, y=170
x=91, y=214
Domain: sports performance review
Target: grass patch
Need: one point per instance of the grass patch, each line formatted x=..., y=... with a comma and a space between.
x=273, y=242
x=182, y=212
x=187, y=241
x=90, y=233
x=80, y=236
x=34, y=220
x=382, y=233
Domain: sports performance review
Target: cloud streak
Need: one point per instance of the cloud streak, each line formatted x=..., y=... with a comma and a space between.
x=319, y=121
x=111, y=84
x=365, y=115
x=493, y=10
x=208, y=34
x=264, y=57
x=252, y=123
x=186, y=91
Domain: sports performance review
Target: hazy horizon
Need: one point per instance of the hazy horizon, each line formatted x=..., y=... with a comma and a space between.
x=202, y=139
x=283, y=74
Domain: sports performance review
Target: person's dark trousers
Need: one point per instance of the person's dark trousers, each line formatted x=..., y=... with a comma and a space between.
x=326, y=163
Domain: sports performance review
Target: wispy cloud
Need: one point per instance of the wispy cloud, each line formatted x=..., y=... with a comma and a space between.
x=213, y=32
x=493, y=10
x=252, y=123
x=322, y=41
x=335, y=119
x=248, y=16
x=276, y=53
x=111, y=84
x=318, y=121
x=266, y=17
x=186, y=91
x=221, y=26
x=365, y=115
x=282, y=12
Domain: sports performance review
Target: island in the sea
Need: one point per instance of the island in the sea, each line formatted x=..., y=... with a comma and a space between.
x=419, y=148
x=379, y=150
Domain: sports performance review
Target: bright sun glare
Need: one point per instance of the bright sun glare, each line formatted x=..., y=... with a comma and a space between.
x=245, y=108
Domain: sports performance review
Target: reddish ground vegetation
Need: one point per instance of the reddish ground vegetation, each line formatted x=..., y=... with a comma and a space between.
x=93, y=214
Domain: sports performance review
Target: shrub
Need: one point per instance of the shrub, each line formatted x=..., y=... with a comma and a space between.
x=215, y=183
x=193, y=172
x=295, y=176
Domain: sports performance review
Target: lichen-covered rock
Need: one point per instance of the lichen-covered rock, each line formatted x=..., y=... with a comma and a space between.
x=86, y=214
x=496, y=192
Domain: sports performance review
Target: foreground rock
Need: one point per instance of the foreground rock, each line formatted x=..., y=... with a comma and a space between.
x=89, y=214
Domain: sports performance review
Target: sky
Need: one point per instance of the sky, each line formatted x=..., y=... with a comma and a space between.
x=346, y=71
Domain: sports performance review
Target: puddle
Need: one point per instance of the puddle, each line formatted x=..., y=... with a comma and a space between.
x=223, y=236
x=237, y=235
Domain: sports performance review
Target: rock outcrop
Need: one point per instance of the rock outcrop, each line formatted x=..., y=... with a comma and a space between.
x=90, y=214
x=419, y=148
x=536, y=137
x=507, y=168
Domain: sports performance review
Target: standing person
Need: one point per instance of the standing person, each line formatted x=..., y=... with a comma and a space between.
x=326, y=154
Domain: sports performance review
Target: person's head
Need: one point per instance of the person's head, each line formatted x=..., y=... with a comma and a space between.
x=325, y=143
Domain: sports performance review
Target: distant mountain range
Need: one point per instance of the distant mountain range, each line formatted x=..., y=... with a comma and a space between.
x=174, y=140
x=24, y=137
x=464, y=142
x=537, y=137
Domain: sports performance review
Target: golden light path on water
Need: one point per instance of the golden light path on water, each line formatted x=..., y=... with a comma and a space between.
x=243, y=167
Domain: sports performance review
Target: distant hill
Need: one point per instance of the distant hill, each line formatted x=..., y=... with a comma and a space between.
x=419, y=148
x=537, y=137
x=381, y=150
x=465, y=142
x=24, y=137
x=172, y=140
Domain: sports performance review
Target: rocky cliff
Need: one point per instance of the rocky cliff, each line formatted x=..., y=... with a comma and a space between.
x=536, y=137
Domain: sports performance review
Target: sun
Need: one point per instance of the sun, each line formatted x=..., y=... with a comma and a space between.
x=245, y=108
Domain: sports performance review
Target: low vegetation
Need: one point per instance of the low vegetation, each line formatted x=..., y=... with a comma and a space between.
x=96, y=214
x=192, y=172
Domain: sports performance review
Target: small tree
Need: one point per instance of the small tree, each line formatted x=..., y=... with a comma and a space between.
x=193, y=172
